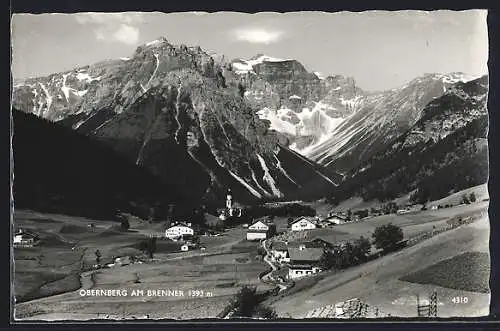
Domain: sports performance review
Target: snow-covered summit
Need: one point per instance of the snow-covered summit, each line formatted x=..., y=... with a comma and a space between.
x=157, y=41
x=242, y=66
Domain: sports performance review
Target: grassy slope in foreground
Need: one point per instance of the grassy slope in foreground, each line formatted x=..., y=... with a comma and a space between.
x=378, y=284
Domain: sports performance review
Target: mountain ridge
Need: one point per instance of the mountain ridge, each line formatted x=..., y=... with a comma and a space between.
x=175, y=100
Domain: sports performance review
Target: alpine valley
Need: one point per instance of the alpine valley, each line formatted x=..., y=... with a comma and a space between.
x=266, y=128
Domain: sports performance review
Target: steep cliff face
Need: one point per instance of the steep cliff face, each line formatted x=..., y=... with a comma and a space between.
x=378, y=121
x=445, y=151
x=177, y=112
x=301, y=106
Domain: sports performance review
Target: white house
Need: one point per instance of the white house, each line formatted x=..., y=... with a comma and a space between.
x=23, y=239
x=304, y=261
x=302, y=224
x=179, y=230
x=260, y=230
x=298, y=271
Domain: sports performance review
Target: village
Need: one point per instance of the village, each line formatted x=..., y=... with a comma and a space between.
x=278, y=251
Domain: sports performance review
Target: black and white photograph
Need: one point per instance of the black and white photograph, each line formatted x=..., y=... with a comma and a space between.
x=174, y=166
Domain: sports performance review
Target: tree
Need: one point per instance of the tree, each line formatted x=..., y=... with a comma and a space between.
x=327, y=261
x=97, y=256
x=124, y=224
x=241, y=90
x=261, y=251
x=472, y=197
x=151, y=247
x=361, y=249
x=248, y=304
x=386, y=237
x=265, y=312
x=465, y=199
x=148, y=246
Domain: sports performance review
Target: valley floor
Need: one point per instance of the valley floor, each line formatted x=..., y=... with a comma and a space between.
x=228, y=263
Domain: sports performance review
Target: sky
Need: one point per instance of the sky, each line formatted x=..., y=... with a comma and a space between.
x=380, y=49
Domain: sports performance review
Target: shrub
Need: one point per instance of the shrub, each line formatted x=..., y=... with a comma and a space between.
x=361, y=249
x=248, y=304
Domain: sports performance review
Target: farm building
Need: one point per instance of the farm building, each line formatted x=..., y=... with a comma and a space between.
x=335, y=219
x=318, y=243
x=260, y=230
x=24, y=239
x=179, y=230
x=302, y=223
x=279, y=251
x=304, y=261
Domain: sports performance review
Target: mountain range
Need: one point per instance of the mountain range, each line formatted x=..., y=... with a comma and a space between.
x=177, y=112
x=265, y=127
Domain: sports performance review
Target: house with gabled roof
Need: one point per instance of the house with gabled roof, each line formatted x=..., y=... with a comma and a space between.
x=261, y=229
x=304, y=261
x=24, y=239
x=302, y=224
x=335, y=219
x=179, y=230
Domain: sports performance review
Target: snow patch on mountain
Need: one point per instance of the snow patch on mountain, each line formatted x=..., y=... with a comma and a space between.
x=319, y=75
x=246, y=185
x=280, y=168
x=241, y=66
x=48, y=96
x=254, y=178
x=156, y=42
x=154, y=71
x=80, y=93
x=268, y=178
x=277, y=119
x=65, y=88
x=85, y=76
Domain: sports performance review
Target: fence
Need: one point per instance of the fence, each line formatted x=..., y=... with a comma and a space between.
x=451, y=224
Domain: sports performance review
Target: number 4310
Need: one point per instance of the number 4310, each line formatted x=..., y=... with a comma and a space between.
x=460, y=300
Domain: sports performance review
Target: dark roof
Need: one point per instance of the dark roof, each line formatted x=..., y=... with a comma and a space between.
x=26, y=235
x=279, y=246
x=318, y=239
x=302, y=218
x=307, y=254
x=335, y=216
x=300, y=266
